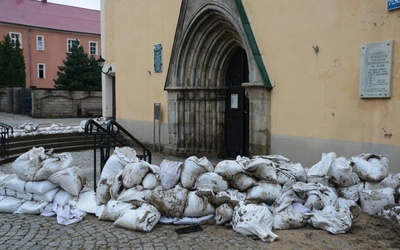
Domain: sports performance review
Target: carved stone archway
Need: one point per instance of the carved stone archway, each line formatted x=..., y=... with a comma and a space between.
x=208, y=35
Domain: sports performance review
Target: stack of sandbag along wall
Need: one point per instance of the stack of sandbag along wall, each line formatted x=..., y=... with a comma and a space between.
x=247, y=192
x=39, y=179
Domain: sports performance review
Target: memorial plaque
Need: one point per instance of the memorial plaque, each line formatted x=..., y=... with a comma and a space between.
x=375, y=69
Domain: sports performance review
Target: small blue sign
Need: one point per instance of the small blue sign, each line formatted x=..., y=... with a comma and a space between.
x=393, y=4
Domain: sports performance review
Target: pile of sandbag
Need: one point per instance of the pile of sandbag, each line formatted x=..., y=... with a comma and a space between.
x=28, y=129
x=38, y=179
x=255, y=195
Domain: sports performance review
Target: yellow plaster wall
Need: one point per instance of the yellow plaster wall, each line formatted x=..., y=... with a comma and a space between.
x=317, y=95
x=133, y=27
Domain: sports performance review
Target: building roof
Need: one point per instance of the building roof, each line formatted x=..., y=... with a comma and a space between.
x=42, y=14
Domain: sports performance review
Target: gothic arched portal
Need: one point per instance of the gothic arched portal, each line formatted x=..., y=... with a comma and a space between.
x=208, y=40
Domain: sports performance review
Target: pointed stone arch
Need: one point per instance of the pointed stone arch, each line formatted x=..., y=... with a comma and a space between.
x=208, y=35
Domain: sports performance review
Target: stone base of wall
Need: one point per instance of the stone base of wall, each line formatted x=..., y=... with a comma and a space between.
x=9, y=99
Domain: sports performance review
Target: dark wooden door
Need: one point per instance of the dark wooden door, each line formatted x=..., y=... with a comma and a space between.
x=237, y=107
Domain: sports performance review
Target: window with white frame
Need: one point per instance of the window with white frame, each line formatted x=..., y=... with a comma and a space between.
x=40, y=43
x=70, y=42
x=14, y=37
x=93, y=48
x=41, y=70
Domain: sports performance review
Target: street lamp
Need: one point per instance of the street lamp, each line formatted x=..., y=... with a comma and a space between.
x=101, y=62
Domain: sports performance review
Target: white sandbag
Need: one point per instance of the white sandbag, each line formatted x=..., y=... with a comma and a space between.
x=288, y=218
x=191, y=169
x=2, y=191
x=115, y=183
x=391, y=180
x=228, y=169
x=113, y=163
x=10, y=204
x=53, y=164
x=114, y=209
x=27, y=164
x=171, y=202
x=70, y=179
x=342, y=173
x=127, y=154
x=286, y=198
x=32, y=207
x=142, y=219
x=299, y=207
x=16, y=184
x=373, y=201
x=191, y=220
x=150, y=181
x=21, y=195
x=320, y=172
x=39, y=187
x=62, y=198
x=165, y=220
x=261, y=168
x=87, y=202
x=223, y=214
x=6, y=177
x=102, y=192
x=48, y=196
x=264, y=192
x=211, y=181
x=242, y=182
x=134, y=173
x=318, y=199
x=331, y=220
x=197, y=206
x=253, y=219
x=170, y=173
x=371, y=167
x=135, y=195
x=350, y=193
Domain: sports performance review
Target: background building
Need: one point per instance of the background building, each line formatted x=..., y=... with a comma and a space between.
x=46, y=31
x=248, y=77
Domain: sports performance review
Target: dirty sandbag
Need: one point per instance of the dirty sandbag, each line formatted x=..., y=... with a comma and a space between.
x=228, y=169
x=197, y=206
x=286, y=198
x=171, y=202
x=371, y=167
x=288, y=218
x=27, y=164
x=321, y=171
x=285, y=171
x=331, y=220
x=136, y=196
x=6, y=177
x=223, y=214
x=119, y=158
x=191, y=169
x=350, y=193
x=264, y=192
x=318, y=199
x=150, y=181
x=373, y=201
x=71, y=180
x=142, y=219
x=102, y=192
x=16, y=184
x=302, y=189
x=391, y=180
x=261, y=168
x=253, y=219
x=114, y=209
x=391, y=212
x=116, y=184
x=242, y=182
x=211, y=181
x=53, y=164
x=231, y=196
x=342, y=172
x=87, y=202
x=32, y=207
x=170, y=173
x=134, y=173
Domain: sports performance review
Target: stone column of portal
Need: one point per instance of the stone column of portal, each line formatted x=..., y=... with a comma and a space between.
x=259, y=117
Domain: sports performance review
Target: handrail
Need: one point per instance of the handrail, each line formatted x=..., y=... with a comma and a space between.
x=4, y=141
x=112, y=125
x=106, y=138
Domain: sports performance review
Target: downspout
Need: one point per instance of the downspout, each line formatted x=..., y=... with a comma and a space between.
x=253, y=44
x=30, y=56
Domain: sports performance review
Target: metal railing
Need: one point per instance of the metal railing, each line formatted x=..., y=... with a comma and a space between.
x=4, y=139
x=106, y=138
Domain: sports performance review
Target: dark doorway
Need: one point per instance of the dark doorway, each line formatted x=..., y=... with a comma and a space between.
x=237, y=107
